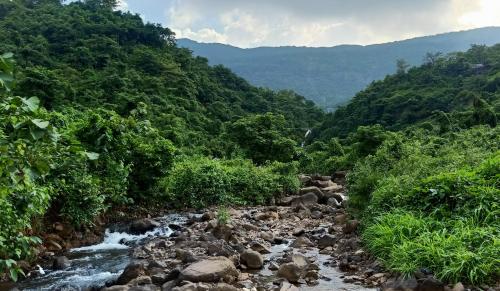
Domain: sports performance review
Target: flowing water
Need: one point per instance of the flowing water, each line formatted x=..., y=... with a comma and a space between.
x=96, y=265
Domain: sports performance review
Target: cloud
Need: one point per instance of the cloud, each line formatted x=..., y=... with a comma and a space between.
x=317, y=22
x=122, y=5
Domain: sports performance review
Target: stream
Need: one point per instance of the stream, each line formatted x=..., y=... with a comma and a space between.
x=93, y=267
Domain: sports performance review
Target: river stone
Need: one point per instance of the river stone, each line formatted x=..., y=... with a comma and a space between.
x=351, y=226
x=300, y=260
x=210, y=270
x=290, y=271
x=301, y=241
x=322, y=184
x=142, y=226
x=285, y=286
x=305, y=200
x=224, y=287
x=312, y=189
x=327, y=241
x=252, y=259
x=131, y=272
x=61, y=263
x=261, y=248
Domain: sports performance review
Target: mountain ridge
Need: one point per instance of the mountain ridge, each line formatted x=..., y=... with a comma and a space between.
x=330, y=76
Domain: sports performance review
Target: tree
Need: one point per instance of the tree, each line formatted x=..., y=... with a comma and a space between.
x=402, y=66
x=263, y=138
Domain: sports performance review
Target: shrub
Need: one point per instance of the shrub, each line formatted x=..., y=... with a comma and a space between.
x=202, y=181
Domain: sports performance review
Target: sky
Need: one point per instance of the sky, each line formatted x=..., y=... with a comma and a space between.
x=253, y=23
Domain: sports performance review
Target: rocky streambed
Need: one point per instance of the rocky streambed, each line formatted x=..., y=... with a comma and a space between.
x=304, y=242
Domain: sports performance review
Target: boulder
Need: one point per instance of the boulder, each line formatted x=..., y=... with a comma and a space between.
x=430, y=284
x=327, y=241
x=223, y=231
x=340, y=218
x=322, y=184
x=116, y=288
x=131, y=272
x=312, y=189
x=290, y=271
x=301, y=242
x=142, y=226
x=300, y=260
x=458, y=287
x=252, y=259
x=261, y=248
x=316, y=214
x=223, y=287
x=306, y=200
x=209, y=270
x=61, y=263
x=304, y=179
x=333, y=202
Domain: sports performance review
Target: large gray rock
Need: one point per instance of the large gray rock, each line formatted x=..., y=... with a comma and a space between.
x=312, y=189
x=306, y=200
x=290, y=271
x=252, y=259
x=142, y=226
x=131, y=272
x=210, y=270
x=327, y=241
x=61, y=263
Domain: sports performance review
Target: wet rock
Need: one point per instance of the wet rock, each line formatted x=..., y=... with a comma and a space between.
x=131, y=272
x=400, y=284
x=351, y=226
x=210, y=270
x=333, y=202
x=252, y=259
x=316, y=214
x=117, y=288
x=300, y=260
x=290, y=271
x=168, y=286
x=337, y=196
x=142, y=226
x=207, y=216
x=258, y=247
x=301, y=242
x=285, y=286
x=298, y=232
x=67, y=287
x=175, y=227
x=273, y=266
x=53, y=246
x=315, y=190
x=327, y=241
x=61, y=263
x=141, y=280
x=322, y=184
x=185, y=256
x=306, y=200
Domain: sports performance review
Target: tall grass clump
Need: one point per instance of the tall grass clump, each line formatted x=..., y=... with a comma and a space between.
x=433, y=203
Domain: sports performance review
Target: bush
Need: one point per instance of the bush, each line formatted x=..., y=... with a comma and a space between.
x=201, y=181
x=433, y=202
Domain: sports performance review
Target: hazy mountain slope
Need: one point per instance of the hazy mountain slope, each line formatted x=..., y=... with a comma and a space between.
x=330, y=76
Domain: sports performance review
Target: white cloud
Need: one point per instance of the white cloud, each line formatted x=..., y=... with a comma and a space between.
x=319, y=22
x=122, y=5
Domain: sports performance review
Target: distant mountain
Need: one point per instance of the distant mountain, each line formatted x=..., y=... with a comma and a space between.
x=332, y=75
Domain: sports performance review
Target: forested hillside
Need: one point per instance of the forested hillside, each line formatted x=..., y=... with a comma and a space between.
x=330, y=76
x=423, y=150
x=97, y=110
x=460, y=89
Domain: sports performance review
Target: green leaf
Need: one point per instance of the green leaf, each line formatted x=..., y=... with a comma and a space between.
x=7, y=55
x=40, y=123
x=33, y=103
x=92, y=156
x=13, y=274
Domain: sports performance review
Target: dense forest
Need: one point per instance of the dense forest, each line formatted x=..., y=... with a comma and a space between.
x=100, y=111
x=331, y=76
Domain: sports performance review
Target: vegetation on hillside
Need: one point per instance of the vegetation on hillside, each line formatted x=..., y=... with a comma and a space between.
x=112, y=114
x=423, y=152
x=458, y=90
